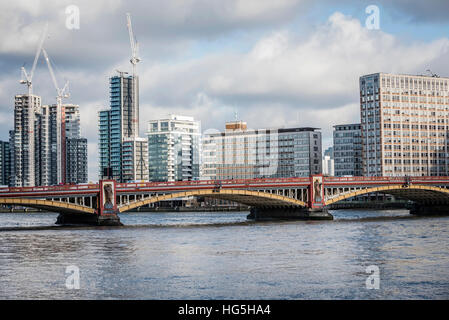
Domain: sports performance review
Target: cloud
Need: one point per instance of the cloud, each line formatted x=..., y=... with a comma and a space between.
x=320, y=72
x=207, y=59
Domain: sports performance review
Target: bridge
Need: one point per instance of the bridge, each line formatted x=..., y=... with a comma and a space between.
x=278, y=198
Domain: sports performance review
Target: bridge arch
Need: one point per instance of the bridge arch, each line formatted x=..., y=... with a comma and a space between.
x=247, y=197
x=49, y=205
x=417, y=193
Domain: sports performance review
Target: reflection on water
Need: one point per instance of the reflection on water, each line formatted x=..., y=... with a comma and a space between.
x=223, y=256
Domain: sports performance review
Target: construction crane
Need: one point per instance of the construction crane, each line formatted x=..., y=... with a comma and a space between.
x=434, y=75
x=60, y=126
x=134, y=125
x=27, y=78
x=134, y=45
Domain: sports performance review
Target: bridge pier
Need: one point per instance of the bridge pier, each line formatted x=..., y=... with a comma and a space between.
x=430, y=210
x=88, y=219
x=264, y=214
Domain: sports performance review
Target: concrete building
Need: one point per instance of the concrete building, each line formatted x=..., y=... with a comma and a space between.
x=25, y=108
x=5, y=163
x=174, y=149
x=135, y=159
x=76, y=160
x=241, y=153
x=347, y=150
x=38, y=142
x=54, y=136
x=328, y=162
x=404, y=125
x=118, y=123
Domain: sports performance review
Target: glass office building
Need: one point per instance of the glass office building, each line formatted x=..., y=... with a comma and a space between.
x=347, y=150
x=174, y=149
x=118, y=123
x=5, y=163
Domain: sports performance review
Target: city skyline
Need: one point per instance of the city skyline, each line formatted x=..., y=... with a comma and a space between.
x=292, y=71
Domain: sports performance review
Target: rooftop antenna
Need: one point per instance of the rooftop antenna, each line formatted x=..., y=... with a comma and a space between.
x=235, y=115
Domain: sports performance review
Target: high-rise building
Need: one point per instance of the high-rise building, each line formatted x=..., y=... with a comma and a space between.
x=404, y=124
x=118, y=123
x=135, y=159
x=174, y=149
x=76, y=160
x=38, y=142
x=347, y=150
x=5, y=163
x=328, y=162
x=56, y=155
x=240, y=153
x=25, y=108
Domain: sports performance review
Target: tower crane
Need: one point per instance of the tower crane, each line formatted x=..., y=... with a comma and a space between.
x=134, y=60
x=60, y=125
x=27, y=78
x=134, y=45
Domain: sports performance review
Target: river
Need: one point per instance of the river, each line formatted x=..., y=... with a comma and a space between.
x=184, y=255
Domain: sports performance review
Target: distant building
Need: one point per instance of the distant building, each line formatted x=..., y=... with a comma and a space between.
x=5, y=163
x=240, y=153
x=174, y=149
x=117, y=124
x=328, y=162
x=347, y=150
x=404, y=125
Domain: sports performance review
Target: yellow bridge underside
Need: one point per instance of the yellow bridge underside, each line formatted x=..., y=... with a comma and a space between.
x=54, y=206
x=417, y=193
x=247, y=197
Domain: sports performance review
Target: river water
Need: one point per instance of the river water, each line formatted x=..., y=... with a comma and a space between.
x=223, y=256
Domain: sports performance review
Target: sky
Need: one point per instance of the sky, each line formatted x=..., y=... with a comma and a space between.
x=282, y=63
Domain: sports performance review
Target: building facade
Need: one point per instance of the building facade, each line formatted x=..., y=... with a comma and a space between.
x=76, y=160
x=174, y=149
x=240, y=153
x=23, y=146
x=117, y=124
x=135, y=159
x=38, y=142
x=405, y=126
x=5, y=163
x=347, y=150
x=328, y=162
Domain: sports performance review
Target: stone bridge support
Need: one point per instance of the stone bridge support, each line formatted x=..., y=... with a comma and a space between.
x=106, y=213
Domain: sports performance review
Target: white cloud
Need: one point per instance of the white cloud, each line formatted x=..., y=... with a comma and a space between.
x=283, y=79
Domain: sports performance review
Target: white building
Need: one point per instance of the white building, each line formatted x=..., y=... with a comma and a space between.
x=174, y=148
x=405, y=123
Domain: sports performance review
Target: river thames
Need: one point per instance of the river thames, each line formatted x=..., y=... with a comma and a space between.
x=183, y=255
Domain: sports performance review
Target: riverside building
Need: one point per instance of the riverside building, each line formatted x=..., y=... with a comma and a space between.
x=404, y=123
x=118, y=124
x=242, y=153
x=347, y=150
x=174, y=149
x=5, y=163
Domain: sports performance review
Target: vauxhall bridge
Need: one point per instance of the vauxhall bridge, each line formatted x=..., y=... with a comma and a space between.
x=269, y=198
